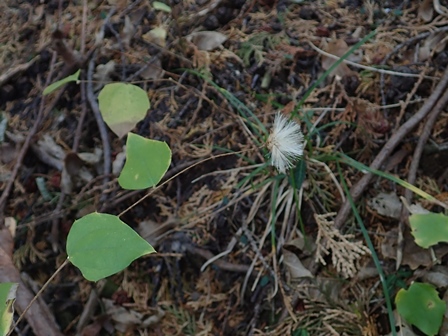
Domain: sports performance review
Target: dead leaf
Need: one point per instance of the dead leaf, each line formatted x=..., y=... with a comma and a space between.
x=426, y=10
x=128, y=31
x=388, y=205
x=153, y=319
x=11, y=225
x=438, y=276
x=8, y=152
x=207, y=40
x=124, y=319
x=73, y=163
x=413, y=255
x=92, y=158
x=294, y=265
x=118, y=163
x=338, y=48
x=152, y=231
x=153, y=70
x=156, y=36
x=435, y=43
x=103, y=72
x=401, y=326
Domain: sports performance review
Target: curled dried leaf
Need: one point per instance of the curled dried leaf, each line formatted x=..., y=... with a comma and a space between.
x=207, y=40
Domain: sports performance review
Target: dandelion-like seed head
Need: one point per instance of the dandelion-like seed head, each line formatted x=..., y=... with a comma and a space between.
x=285, y=143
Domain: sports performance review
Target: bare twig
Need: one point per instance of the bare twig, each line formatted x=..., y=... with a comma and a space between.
x=395, y=139
x=100, y=122
x=365, y=67
x=408, y=42
x=40, y=117
x=412, y=174
x=10, y=73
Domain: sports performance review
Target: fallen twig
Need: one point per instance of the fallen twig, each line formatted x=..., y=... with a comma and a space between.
x=101, y=125
x=408, y=42
x=412, y=173
x=40, y=117
x=386, y=151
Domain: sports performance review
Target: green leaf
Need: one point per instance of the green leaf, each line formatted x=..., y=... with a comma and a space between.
x=146, y=162
x=101, y=245
x=123, y=106
x=429, y=229
x=299, y=174
x=421, y=306
x=52, y=87
x=157, y=5
x=7, y=297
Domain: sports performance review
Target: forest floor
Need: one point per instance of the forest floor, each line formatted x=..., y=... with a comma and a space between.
x=241, y=248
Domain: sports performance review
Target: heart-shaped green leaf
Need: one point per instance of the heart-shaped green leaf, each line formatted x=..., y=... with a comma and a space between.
x=101, y=245
x=56, y=85
x=146, y=162
x=429, y=229
x=421, y=306
x=122, y=106
x=7, y=297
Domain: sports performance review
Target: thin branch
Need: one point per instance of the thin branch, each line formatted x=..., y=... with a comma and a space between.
x=386, y=151
x=100, y=122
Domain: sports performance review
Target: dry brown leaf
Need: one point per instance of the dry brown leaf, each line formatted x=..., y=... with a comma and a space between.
x=103, y=73
x=8, y=152
x=128, y=31
x=207, y=40
x=426, y=10
x=156, y=36
x=125, y=319
x=154, y=70
x=338, y=48
x=118, y=163
x=152, y=231
x=401, y=326
x=434, y=43
x=413, y=255
x=294, y=265
x=388, y=205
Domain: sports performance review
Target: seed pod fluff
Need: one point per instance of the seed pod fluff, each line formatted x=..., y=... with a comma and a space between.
x=285, y=143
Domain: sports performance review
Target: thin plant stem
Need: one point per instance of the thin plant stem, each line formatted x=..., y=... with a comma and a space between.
x=174, y=176
x=375, y=258
x=326, y=73
x=38, y=294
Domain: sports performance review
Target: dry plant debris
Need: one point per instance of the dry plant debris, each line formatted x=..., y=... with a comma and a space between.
x=217, y=271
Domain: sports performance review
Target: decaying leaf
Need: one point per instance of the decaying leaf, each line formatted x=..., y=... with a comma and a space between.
x=402, y=328
x=128, y=31
x=156, y=36
x=124, y=319
x=8, y=152
x=103, y=73
x=118, y=163
x=435, y=43
x=426, y=10
x=338, y=48
x=11, y=225
x=294, y=265
x=413, y=255
x=153, y=70
x=207, y=40
x=157, y=5
x=152, y=232
x=388, y=205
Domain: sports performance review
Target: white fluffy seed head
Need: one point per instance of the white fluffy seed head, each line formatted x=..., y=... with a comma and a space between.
x=285, y=143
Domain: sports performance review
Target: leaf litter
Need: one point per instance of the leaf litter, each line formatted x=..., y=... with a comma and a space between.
x=260, y=53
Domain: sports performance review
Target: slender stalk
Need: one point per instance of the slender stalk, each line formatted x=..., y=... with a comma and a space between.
x=38, y=294
x=375, y=258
